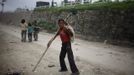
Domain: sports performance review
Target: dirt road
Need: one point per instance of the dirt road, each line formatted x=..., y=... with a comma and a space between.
x=92, y=58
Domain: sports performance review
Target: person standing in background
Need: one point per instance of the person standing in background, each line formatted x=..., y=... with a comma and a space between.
x=30, y=31
x=23, y=26
x=35, y=30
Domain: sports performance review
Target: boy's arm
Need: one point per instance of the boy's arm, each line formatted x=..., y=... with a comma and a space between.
x=49, y=43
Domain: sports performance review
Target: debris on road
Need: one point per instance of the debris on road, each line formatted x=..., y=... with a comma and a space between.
x=51, y=65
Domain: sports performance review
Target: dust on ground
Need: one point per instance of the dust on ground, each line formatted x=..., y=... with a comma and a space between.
x=92, y=58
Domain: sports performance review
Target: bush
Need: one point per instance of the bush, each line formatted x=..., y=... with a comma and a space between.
x=47, y=26
x=95, y=6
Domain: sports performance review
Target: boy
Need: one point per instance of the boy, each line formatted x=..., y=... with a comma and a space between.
x=36, y=31
x=23, y=26
x=66, y=48
x=30, y=30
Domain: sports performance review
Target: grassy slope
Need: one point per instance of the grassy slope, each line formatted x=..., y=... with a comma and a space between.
x=94, y=6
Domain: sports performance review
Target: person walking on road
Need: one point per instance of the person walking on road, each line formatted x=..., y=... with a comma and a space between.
x=66, y=48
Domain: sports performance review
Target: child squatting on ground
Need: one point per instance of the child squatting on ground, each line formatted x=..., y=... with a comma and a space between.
x=65, y=36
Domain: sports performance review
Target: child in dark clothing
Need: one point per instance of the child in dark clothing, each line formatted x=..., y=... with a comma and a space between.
x=30, y=30
x=35, y=30
x=66, y=48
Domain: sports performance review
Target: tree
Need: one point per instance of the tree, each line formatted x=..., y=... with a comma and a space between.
x=52, y=3
x=90, y=1
x=65, y=1
x=116, y=0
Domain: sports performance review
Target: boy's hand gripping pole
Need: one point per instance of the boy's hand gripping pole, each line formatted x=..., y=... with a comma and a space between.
x=40, y=60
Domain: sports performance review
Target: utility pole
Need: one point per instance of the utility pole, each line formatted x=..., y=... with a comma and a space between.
x=52, y=3
x=2, y=4
x=65, y=2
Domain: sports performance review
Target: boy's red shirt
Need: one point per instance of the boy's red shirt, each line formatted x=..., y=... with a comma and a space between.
x=64, y=36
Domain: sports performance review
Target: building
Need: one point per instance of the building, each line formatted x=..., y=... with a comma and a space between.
x=21, y=10
x=82, y=1
x=71, y=2
x=42, y=4
x=53, y=3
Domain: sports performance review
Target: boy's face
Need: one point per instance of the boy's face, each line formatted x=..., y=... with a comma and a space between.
x=61, y=24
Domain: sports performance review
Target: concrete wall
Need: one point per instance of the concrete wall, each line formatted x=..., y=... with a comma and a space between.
x=14, y=18
x=95, y=25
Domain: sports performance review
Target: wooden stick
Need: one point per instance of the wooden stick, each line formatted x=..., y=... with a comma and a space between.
x=40, y=60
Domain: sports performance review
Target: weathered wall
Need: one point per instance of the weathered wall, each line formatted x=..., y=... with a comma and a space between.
x=96, y=25
x=14, y=18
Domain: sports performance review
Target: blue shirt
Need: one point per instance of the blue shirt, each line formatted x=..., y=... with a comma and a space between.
x=30, y=29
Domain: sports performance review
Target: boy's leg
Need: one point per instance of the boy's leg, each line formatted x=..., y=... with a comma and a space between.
x=22, y=36
x=34, y=35
x=62, y=56
x=73, y=67
x=25, y=36
x=29, y=36
x=37, y=36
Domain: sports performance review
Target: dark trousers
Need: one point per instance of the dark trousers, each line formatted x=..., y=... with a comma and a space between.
x=30, y=37
x=35, y=35
x=66, y=49
x=23, y=35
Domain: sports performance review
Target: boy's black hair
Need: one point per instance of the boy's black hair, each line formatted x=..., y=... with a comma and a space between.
x=62, y=20
x=29, y=24
x=23, y=21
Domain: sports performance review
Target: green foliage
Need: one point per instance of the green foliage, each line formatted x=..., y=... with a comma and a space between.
x=108, y=5
x=95, y=6
x=40, y=9
x=47, y=26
